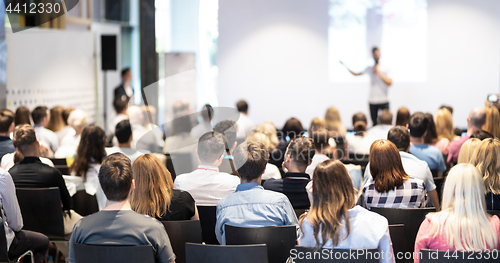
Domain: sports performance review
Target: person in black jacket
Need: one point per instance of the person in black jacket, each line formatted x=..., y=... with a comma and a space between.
x=125, y=91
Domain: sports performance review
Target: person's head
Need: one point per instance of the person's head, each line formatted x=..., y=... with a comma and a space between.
x=136, y=115
x=251, y=159
x=359, y=122
x=376, y=54
x=207, y=113
x=431, y=135
x=400, y=136
x=22, y=116
x=449, y=108
x=481, y=135
x=333, y=196
x=153, y=187
x=229, y=129
x=211, y=148
x=123, y=132
x=467, y=150
x=333, y=122
x=90, y=150
x=320, y=140
x=418, y=125
x=477, y=118
x=120, y=105
x=41, y=116
x=386, y=166
x=316, y=124
x=269, y=130
x=56, y=122
x=25, y=141
x=126, y=75
x=464, y=210
x=6, y=121
x=292, y=128
x=77, y=120
x=65, y=114
x=444, y=124
x=486, y=157
x=385, y=117
x=116, y=177
x=402, y=117
x=492, y=123
x=242, y=106
x=299, y=153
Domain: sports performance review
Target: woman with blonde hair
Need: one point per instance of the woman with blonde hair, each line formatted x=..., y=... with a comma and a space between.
x=333, y=123
x=462, y=224
x=334, y=220
x=269, y=130
x=154, y=194
x=56, y=122
x=492, y=124
x=444, y=129
x=486, y=157
x=467, y=150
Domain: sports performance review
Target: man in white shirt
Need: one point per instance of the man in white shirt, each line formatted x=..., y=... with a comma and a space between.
x=41, y=119
x=123, y=133
x=380, y=81
x=384, y=124
x=206, y=184
x=207, y=113
x=245, y=124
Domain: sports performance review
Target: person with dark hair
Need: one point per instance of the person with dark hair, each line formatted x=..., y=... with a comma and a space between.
x=413, y=166
x=391, y=186
x=298, y=156
x=292, y=128
x=229, y=129
x=207, y=113
x=383, y=126
x=380, y=83
x=475, y=122
x=123, y=133
x=207, y=184
x=419, y=125
x=124, y=91
x=431, y=135
x=121, y=108
x=117, y=224
x=359, y=143
x=22, y=116
x=402, y=117
x=6, y=128
x=245, y=124
x=41, y=119
x=251, y=205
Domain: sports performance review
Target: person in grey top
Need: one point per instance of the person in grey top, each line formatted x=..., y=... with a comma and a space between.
x=41, y=119
x=117, y=224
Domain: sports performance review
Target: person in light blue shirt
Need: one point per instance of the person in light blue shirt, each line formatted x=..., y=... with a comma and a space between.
x=251, y=205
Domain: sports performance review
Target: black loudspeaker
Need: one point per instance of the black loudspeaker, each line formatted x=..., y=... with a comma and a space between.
x=108, y=52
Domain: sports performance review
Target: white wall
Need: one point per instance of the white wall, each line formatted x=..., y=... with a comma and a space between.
x=274, y=54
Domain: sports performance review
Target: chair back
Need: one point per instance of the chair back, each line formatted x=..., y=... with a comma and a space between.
x=208, y=218
x=397, y=233
x=279, y=239
x=4, y=255
x=197, y=253
x=170, y=166
x=105, y=254
x=61, y=165
x=435, y=256
x=439, y=182
x=410, y=218
x=84, y=204
x=41, y=210
x=311, y=255
x=180, y=233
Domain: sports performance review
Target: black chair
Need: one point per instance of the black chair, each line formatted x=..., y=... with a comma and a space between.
x=279, y=239
x=61, y=165
x=197, y=253
x=170, y=166
x=439, y=182
x=105, y=254
x=410, y=218
x=434, y=172
x=312, y=255
x=4, y=255
x=397, y=233
x=180, y=233
x=436, y=256
x=208, y=218
x=84, y=204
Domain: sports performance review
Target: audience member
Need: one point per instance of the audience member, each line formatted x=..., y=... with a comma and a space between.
x=486, y=158
x=359, y=143
x=419, y=125
x=402, y=117
x=18, y=240
x=272, y=142
x=333, y=122
x=391, y=186
x=56, y=122
x=117, y=224
x=271, y=172
x=444, y=129
x=476, y=120
x=251, y=205
x=292, y=128
x=320, y=143
x=121, y=107
x=206, y=184
x=456, y=131
x=41, y=119
x=181, y=145
x=463, y=223
x=6, y=128
x=77, y=120
x=467, y=150
x=383, y=126
x=207, y=113
x=332, y=201
x=123, y=133
x=22, y=116
x=67, y=129
x=154, y=194
x=144, y=139
x=414, y=167
x=245, y=124
x=229, y=129
x=318, y=124
x=298, y=156
x=124, y=91
x=89, y=156
x=492, y=123
x=431, y=134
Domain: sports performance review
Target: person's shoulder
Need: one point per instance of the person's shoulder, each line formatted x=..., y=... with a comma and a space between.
x=273, y=196
x=272, y=184
x=229, y=177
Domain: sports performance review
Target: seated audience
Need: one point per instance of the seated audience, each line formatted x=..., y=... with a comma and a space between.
x=332, y=201
x=402, y=117
x=117, y=224
x=456, y=131
x=269, y=130
x=444, y=130
x=56, y=122
x=154, y=194
x=318, y=124
x=206, y=184
x=251, y=205
x=67, y=129
x=486, y=158
x=320, y=142
x=123, y=133
x=384, y=124
x=492, y=123
x=467, y=150
x=6, y=128
x=41, y=119
x=77, y=120
x=22, y=116
x=18, y=240
x=144, y=139
x=207, y=113
x=291, y=129
x=245, y=124
x=419, y=125
x=431, y=136
x=414, y=167
x=391, y=186
x=463, y=223
x=475, y=121
x=229, y=129
x=333, y=123
x=121, y=107
x=360, y=142
x=85, y=167
x=272, y=172
x=298, y=156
